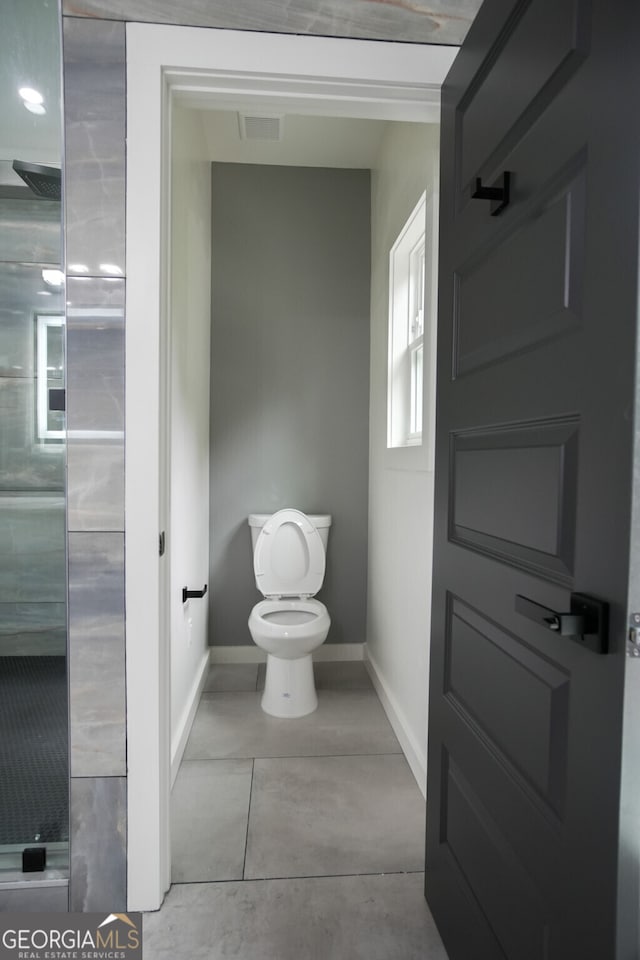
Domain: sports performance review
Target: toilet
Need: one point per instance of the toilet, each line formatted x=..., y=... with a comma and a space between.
x=289, y=550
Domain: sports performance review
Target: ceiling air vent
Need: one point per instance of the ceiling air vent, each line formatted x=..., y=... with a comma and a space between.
x=256, y=127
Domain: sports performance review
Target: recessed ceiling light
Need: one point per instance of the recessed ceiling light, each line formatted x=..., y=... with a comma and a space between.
x=35, y=108
x=55, y=278
x=29, y=95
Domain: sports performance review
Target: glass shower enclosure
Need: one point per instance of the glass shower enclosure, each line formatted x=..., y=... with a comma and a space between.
x=34, y=806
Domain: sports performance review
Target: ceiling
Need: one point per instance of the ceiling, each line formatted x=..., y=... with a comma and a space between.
x=306, y=141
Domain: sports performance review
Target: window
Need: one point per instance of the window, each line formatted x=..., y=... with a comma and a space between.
x=410, y=295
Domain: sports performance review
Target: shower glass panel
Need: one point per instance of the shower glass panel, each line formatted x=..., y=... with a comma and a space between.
x=34, y=804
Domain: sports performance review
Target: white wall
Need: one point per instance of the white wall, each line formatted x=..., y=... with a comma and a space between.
x=188, y=536
x=400, y=480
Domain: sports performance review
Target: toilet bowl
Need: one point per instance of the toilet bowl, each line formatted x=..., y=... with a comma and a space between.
x=289, y=565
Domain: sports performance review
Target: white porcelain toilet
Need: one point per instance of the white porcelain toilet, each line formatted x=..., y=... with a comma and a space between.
x=289, y=550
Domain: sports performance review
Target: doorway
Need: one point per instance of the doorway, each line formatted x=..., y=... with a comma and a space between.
x=289, y=423
x=293, y=71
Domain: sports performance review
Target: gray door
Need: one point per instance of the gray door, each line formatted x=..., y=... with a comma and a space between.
x=537, y=331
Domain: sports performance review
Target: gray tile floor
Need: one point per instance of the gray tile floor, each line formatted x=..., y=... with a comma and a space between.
x=294, y=839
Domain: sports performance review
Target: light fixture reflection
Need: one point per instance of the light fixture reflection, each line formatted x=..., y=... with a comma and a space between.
x=29, y=95
x=32, y=100
x=54, y=278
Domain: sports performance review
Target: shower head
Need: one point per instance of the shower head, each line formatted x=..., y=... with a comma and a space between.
x=43, y=181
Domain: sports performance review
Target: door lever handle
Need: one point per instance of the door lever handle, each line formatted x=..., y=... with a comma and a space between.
x=188, y=594
x=586, y=622
x=564, y=624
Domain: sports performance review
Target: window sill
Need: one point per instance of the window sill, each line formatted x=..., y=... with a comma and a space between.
x=411, y=457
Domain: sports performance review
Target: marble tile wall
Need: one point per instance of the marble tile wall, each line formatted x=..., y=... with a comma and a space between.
x=98, y=849
x=96, y=654
x=31, y=231
x=32, y=549
x=26, y=463
x=33, y=629
x=422, y=21
x=32, y=507
x=94, y=99
x=94, y=115
x=95, y=111
x=32, y=575
x=95, y=403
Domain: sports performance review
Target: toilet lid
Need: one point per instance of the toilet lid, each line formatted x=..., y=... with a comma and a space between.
x=289, y=556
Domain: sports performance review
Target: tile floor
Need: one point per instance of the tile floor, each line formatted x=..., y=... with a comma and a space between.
x=294, y=839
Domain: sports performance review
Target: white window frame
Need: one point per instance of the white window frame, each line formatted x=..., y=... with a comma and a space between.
x=415, y=338
x=409, y=297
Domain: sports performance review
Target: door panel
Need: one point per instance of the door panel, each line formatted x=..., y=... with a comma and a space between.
x=488, y=120
x=527, y=726
x=536, y=355
x=500, y=306
x=493, y=471
x=483, y=853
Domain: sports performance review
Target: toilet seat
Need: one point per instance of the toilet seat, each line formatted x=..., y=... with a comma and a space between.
x=289, y=559
x=302, y=613
x=274, y=622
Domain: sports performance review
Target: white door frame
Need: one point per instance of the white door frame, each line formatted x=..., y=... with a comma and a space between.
x=219, y=69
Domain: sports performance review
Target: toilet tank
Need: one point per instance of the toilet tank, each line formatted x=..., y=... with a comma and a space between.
x=321, y=521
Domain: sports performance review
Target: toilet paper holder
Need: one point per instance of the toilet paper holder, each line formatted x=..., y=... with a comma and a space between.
x=196, y=594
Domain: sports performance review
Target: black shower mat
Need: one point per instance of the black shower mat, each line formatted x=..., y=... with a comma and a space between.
x=34, y=797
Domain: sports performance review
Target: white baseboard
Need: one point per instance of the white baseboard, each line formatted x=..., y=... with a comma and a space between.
x=339, y=651
x=179, y=741
x=243, y=654
x=253, y=654
x=415, y=754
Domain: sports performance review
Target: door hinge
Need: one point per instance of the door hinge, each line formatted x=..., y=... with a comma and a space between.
x=633, y=637
x=161, y=544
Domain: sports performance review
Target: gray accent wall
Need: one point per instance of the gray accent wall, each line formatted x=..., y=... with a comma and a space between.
x=289, y=377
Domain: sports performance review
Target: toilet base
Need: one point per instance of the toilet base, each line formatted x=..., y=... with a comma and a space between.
x=289, y=687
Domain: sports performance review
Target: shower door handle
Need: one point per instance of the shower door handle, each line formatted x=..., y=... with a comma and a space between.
x=196, y=594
